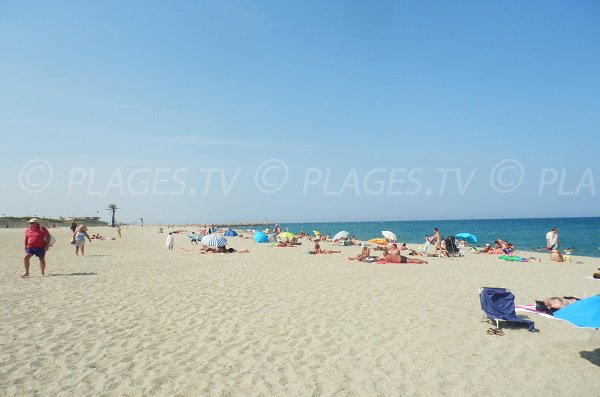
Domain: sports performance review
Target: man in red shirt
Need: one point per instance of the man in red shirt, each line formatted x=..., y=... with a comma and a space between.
x=37, y=241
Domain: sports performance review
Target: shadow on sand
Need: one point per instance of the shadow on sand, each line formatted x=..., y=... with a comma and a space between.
x=593, y=356
x=72, y=274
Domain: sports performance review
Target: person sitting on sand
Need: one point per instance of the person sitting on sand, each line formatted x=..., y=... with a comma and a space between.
x=508, y=249
x=394, y=250
x=318, y=250
x=286, y=243
x=364, y=253
x=443, y=251
x=556, y=256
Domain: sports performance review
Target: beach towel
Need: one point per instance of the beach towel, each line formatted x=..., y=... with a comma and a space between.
x=512, y=258
x=531, y=309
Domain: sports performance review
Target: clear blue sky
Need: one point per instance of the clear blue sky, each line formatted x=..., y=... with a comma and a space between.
x=367, y=105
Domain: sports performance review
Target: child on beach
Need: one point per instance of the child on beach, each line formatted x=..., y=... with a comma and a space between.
x=170, y=242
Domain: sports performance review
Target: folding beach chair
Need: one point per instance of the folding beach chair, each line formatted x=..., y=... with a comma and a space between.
x=498, y=304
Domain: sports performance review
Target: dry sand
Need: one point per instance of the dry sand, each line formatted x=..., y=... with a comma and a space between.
x=134, y=319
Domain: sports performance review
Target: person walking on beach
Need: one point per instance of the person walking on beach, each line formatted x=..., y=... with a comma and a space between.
x=170, y=241
x=437, y=239
x=552, y=239
x=73, y=226
x=79, y=239
x=37, y=242
x=119, y=231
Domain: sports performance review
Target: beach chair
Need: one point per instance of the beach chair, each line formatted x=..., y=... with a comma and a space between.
x=498, y=304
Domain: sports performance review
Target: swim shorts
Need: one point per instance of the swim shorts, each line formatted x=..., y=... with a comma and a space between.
x=39, y=252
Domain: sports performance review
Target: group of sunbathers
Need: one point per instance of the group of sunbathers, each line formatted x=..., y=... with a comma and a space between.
x=389, y=255
x=500, y=247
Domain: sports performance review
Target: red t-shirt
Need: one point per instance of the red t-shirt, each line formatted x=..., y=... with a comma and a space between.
x=36, y=237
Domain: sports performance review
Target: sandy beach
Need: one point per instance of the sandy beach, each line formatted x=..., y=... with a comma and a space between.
x=134, y=319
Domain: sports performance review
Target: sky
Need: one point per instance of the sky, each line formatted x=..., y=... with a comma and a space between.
x=300, y=111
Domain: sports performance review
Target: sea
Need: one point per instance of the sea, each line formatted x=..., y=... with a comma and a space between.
x=580, y=234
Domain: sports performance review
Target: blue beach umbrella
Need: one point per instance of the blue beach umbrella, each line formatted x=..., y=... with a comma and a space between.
x=584, y=313
x=230, y=232
x=261, y=237
x=468, y=237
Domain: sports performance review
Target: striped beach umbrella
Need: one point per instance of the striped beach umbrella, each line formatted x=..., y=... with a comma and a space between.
x=214, y=240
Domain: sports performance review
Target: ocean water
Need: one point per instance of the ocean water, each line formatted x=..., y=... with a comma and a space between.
x=525, y=234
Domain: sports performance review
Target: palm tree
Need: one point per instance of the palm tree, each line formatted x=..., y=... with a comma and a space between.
x=113, y=208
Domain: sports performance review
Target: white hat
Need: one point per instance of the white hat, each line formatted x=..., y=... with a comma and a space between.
x=33, y=220
x=487, y=245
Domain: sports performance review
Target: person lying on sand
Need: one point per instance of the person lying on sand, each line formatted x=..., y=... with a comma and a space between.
x=221, y=250
x=318, y=250
x=550, y=305
x=391, y=258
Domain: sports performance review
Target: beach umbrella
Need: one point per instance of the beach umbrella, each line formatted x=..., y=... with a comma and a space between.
x=284, y=235
x=377, y=241
x=260, y=237
x=468, y=237
x=389, y=235
x=230, y=232
x=584, y=313
x=341, y=235
x=214, y=240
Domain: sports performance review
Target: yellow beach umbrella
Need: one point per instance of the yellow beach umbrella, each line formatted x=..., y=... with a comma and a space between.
x=288, y=235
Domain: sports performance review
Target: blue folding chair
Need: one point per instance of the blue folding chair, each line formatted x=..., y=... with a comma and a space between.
x=498, y=304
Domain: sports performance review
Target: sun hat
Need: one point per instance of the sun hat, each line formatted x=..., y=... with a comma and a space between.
x=33, y=220
x=487, y=245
